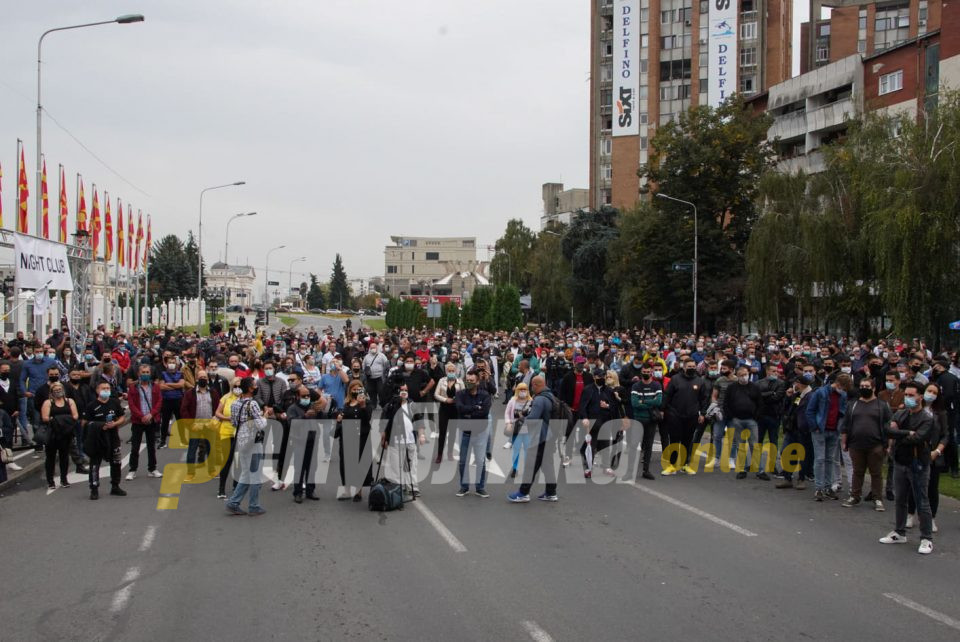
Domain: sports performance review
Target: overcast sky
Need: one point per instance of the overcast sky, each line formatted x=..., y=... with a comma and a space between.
x=350, y=120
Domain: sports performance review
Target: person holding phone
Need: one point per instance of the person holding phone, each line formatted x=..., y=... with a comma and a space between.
x=353, y=433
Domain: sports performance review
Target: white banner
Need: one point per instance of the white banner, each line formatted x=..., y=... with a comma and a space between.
x=723, y=51
x=39, y=262
x=626, y=67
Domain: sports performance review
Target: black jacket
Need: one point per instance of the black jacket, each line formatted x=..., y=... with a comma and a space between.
x=589, y=402
x=908, y=448
x=686, y=397
x=772, y=394
x=742, y=401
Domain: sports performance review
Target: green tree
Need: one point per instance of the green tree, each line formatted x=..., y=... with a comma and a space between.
x=315, y=296
x=511, y=263
x=449, y=315
x=550, y=276
x=339, y=288
x=190, y=251
x=481, y=304
x=170, y=273
x=585, y=247
x=713, y=158
x=506, y=313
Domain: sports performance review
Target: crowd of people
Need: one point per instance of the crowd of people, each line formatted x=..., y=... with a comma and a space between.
x=813, y=409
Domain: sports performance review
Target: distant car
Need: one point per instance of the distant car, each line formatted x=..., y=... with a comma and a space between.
x=333, y=311
x=235, y=308
x=316, y=310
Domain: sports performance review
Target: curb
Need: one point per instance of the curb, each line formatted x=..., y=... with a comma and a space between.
x=34, y=467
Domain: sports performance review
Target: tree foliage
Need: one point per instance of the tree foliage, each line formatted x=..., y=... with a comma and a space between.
x=339, y=289
x=511, y=263
x=406, y=314
x=315, y=296
x=449, y=315
x=550, y=276
x=585, y=247
x=172, y=274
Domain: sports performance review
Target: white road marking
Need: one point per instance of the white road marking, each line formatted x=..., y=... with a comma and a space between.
x=77, y=478
x=148, y=538
x=439, y=526
x=122, y=595
x=536, y=633
x=693, y=509
x=920, y=608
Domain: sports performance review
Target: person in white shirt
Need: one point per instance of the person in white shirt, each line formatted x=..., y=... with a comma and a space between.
x=398, y=443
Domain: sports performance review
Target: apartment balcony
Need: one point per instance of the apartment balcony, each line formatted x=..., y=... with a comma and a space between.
x=606, y=35
x=811, y=163
x=830, y=116
x=793, y=125
x=606, y=7
x=606, y=110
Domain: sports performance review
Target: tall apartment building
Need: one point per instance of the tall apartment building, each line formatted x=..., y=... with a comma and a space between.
x=651, y=60
x=433, y=266
x=863, y=26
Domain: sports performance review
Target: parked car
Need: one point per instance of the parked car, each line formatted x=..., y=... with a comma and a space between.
x=333, y=311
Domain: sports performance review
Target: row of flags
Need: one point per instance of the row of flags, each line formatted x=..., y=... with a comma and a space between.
x=128, y=249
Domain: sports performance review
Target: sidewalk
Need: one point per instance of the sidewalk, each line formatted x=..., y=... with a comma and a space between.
x=32, y=463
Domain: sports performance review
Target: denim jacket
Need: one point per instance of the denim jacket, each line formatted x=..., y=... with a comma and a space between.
x=819, y=405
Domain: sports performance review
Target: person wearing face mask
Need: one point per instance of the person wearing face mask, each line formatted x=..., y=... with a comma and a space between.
x=305, y=410
x=742, y=408
x=949, y=385
x=718, y=396
x=445, y=394
x=250, y=423
x=863, y=436
x=353, y=433
x=685, y=404
x=473, y=410
x=311, y=372
x=910, y=434
x=375, y=369
x=145, y=400
x=197, y=411
x=190, y=370
x=516, y=412
x=933, y=404
x=772, y=394
x=526, y=353
x=103, y=418
x=60, y=415
x=398, y=443
x=217, y=381
x=646, y=399
x=33, y=375
x=825, y=413
x=227, y=435
x=892, y=394
x=588, y=414
x=43, y=392
x=172, y=386
x=796, y=430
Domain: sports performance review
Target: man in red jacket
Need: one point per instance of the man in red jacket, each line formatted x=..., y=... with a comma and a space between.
x=197, y=411
x=146, y=402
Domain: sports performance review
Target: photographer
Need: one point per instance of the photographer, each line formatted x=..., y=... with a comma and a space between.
x=246, y=417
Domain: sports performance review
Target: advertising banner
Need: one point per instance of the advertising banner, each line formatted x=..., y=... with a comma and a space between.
x=723, y=51
x=39, y=262
x=626, y=67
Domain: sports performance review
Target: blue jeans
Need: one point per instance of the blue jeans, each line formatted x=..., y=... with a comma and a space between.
x=739, y=425
x=717, y=433
x=27, y=415
x=824, y=445
x=477, y=444
x=242, y=487
x=520, y=443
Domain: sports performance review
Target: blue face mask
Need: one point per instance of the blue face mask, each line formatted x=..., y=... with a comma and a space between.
x=929, y=397
x=305, y=402
x=808, y=377
x=910, y=402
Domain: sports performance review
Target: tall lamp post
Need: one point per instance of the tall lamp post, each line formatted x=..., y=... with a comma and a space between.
x=290, y=274
x=122, y=20
x=200, y=241
x=696, y=237
x=266, y=282
x=226, y=240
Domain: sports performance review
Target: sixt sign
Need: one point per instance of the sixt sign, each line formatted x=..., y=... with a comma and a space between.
x=626, y=66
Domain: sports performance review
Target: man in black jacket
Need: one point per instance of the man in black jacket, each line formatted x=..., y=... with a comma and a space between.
x=473, y=410
x=741, y=407
x=772, y=393
x=950, y=395
x=910, y=433
x=685, y=404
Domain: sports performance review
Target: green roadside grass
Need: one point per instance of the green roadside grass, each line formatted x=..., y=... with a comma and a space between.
x=375, y=323
x=288, y=322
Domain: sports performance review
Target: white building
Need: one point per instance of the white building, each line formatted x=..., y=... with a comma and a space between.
x=238, y=283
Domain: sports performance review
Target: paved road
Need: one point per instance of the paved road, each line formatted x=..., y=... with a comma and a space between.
x=674, y=558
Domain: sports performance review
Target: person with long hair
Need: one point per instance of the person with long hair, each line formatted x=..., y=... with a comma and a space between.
x=247, y=418
x=353, y=431
x=60, y=414
x=518, y=407
x=227, y=441
x=445, y=394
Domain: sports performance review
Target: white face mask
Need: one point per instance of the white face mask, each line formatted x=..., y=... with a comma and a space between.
x=522, y=394
x=743, y=380
x=404, y=394
x=237, y=391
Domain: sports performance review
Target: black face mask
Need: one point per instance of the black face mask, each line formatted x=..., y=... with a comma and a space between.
x=4, y=376
x=53, y=379
x=866, y=393
x=598, y=381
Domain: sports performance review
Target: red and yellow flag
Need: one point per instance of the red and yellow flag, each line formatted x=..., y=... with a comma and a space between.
x=121, y=254
x=136, y=250
x=63, y=206
x=107, y=229
x=44, y=201
x=129, y=235
x=81, y=208
x=146, y=248
x=22, y=226
x=95, y=226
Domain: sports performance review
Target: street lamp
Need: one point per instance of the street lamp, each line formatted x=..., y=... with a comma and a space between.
x=290, y=274
x=226, y=240
x=266, y=282
x=123, y=20
x=695, y=252
x=200, y=240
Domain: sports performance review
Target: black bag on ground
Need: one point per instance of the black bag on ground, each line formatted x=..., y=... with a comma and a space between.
x=385, y=495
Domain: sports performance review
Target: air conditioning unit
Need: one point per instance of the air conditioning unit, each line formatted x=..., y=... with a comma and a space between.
x=688, y=23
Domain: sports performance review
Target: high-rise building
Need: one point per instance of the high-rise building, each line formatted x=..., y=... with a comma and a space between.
x=863, y=26
x=651, y=60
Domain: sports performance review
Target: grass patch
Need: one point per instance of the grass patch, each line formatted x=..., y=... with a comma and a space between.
x=288, y=321
x=949, y=485
x=375, y=323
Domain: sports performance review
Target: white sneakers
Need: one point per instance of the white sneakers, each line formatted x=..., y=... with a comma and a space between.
x=507, y=445
x=131, y=475
x=893, y=537
x=14, y=466
x=926, y=546
x=278, y=485
x=156, y=474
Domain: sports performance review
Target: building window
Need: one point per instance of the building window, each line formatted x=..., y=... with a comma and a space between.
x=606, y=146
x=644, y=118
x=666, y=17
x=891, y=82
x=674, y=69
x=433, y=256
x=644, y=40
x=685, y=15
x=643, y=142
x=861, y=46
x=704, y=85
x=704, y=6
x=880, y=24
x=748, y=31
x=862, y=23
x=666, y=42
x=746, y=5
x=748, y=57
x=391, y=269
x=823, y=53
x=606, y=172
x=606, y=98
x=644, y=15
x=824, y=30
x=747, y=85
x=413, y=256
